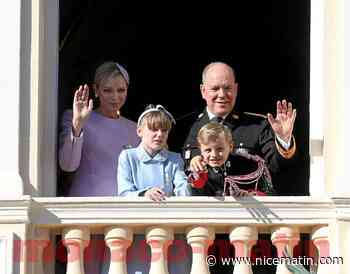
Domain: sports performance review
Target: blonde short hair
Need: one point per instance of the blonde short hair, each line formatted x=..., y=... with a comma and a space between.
x=110, y=70
x=210, y=132
x=156, y=120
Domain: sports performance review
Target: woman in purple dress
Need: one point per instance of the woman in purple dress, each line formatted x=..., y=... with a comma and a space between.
x=91, y=140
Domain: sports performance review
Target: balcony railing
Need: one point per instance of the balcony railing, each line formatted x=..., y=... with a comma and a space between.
x=198, y=218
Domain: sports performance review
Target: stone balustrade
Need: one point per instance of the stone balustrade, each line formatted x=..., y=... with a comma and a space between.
x=199, y=221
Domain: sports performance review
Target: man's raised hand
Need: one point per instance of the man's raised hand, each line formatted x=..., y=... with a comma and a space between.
x=283, y=124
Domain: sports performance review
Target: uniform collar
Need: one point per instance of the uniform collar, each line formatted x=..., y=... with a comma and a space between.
x=222, y=168
x=161, y=156
x=212, y=115
x=232, y=114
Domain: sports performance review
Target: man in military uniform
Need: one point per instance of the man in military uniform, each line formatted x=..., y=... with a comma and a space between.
x=269, y=137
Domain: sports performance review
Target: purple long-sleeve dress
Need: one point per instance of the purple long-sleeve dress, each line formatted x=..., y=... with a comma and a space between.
x=94, y=154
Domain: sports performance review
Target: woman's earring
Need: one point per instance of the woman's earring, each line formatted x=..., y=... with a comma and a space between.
x=96, y=96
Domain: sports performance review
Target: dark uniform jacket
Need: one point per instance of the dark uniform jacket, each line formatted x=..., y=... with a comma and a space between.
x=235, y=165
x=249, y=131
x=214, y=186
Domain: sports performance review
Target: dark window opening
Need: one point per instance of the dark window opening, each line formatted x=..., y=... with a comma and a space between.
x=165, y=48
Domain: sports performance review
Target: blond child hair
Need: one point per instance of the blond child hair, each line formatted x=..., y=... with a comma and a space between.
x=156, y=120
x=210, y=133
x=156, y=117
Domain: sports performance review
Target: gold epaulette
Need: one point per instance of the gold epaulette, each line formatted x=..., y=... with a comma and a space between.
x=256, y=114
x=289, y=153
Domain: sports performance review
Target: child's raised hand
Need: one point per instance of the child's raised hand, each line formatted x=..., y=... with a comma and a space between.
x=155, y=194
x=198, y=180
x=197, y=164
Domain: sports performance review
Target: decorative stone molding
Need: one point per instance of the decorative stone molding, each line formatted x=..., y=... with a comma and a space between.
x=180, y=210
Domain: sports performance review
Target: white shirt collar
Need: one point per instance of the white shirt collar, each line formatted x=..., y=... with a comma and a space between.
x=212, y=115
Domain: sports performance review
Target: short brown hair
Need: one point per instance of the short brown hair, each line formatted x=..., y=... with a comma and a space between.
x=211, y=131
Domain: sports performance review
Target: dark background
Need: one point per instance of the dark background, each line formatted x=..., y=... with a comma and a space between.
x=165, y=47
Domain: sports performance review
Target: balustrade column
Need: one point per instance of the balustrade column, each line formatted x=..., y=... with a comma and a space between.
x=285, y=239
x=39, y=243
x=320, y=239
x=159, y=239
x=243, y=239
x=76, y=239
x=118, y=239
x=200, y=238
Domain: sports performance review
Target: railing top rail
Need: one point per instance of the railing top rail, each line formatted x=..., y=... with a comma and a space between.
x=175, y=211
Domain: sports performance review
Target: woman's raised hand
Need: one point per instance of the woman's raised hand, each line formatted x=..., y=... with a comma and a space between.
x=82, y=108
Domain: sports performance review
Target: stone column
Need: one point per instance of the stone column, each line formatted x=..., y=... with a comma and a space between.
x=321, y=241
x=337, y=84
x=76, y=239
x=41, y=239
x=284, y=238
x=10, y=86
x=317, y=98
x=243, y=238
x=200, y=238
x=118, y=239
x=339, y=237
x=28, y=81
x=159, y=239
